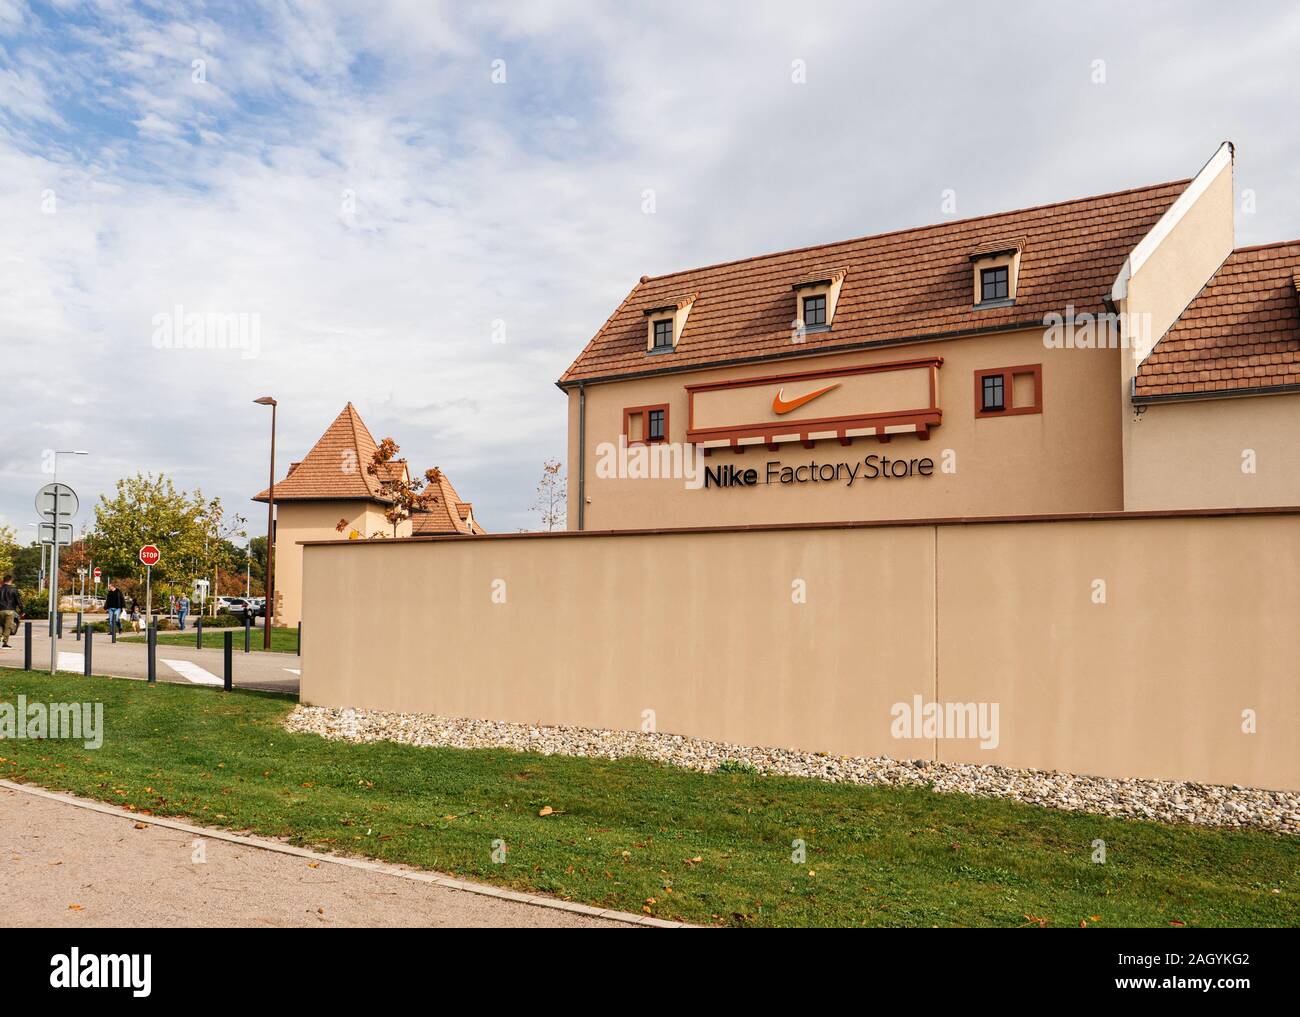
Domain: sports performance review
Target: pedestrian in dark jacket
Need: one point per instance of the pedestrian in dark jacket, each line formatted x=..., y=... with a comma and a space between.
x=11, y=609
x=114, y=602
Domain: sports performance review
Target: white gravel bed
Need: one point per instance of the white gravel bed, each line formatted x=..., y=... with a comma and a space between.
x=1167, y=801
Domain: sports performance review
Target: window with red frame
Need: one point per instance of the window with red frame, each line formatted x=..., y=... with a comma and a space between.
x=1009, y=391
x=645, y=424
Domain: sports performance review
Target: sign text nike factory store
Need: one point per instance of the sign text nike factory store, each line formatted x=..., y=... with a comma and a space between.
x=871, y=467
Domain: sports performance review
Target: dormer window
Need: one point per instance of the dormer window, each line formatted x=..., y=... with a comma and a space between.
x=996, y=267
x=665, y=322
x=816, y=299
x=993, y=284
x=663, y=334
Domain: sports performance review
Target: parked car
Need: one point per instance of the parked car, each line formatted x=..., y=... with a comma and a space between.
x=257, y=606
x=232, y=605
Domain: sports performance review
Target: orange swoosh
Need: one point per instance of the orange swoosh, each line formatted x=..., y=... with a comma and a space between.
x=781, y=405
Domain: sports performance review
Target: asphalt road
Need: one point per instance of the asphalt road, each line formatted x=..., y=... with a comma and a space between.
x=267, y=671
x=63, y=866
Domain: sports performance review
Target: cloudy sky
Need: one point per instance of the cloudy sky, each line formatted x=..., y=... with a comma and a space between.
x=360, y=178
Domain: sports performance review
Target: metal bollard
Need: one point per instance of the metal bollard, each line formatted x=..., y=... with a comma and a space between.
x=89, y=633
x=198, y=638
x=112, y=629
x=248, y=633
x=300, y=639
x=229, y=679
x=27, y=646
x=58, y=624
x=80, y=624
x=153, y=652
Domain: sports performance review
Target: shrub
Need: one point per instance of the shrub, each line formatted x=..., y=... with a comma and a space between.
x=36, y=604
x=736, y=766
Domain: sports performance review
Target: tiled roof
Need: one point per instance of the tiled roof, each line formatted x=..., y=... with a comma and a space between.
x=446, y=514
x=900, y=285
x=335, y=467
x=1242, y=331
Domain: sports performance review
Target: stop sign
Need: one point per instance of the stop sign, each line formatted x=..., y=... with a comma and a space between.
x=149, y=555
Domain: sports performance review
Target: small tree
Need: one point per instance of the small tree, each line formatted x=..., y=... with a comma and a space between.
x=549, y=502
x=405, y=496
x=8, y=549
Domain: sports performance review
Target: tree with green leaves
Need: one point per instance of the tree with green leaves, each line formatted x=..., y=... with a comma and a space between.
x=8, y=549
x=150, y=510
x=219, y=552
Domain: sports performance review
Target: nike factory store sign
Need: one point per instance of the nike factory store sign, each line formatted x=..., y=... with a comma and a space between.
x=848, y=473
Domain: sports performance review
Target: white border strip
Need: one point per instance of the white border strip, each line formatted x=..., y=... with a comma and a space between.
x=436, y=878
x=1173, y=215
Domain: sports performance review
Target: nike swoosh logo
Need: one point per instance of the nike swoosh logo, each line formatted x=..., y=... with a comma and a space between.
x=781, y=405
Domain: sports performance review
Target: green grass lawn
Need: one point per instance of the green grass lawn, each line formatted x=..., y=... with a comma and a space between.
x=635, y=835
x=282, y=640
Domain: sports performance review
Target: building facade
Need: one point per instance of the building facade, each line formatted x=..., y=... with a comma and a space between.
x=331, y=494
x=1101, y=354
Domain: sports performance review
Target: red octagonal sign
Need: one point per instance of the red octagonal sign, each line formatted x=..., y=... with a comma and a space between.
x=150, y=555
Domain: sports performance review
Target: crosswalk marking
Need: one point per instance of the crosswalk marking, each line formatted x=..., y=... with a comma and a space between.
x=191, y=672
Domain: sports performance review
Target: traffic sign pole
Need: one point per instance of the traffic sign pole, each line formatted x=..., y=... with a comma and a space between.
x=55, y=502
x=149, y=557
x=54, y=588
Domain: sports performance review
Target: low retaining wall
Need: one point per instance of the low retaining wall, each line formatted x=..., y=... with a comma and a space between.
x=1123, y=645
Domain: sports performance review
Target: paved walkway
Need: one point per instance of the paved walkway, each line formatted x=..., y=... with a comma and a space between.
x=66, y=866
x=270, y=672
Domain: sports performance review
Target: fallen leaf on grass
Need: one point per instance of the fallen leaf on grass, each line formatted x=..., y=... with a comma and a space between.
x=546, y=810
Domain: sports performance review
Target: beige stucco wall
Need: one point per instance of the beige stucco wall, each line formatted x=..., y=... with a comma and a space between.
x=702, y=629
x=1160, y=289
x=1065, y=459
x=1191, y=454
x=316, y=520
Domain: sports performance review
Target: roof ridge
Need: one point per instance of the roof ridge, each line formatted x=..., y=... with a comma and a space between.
x=1265, y=247
x=367, y=478
x=909, y=229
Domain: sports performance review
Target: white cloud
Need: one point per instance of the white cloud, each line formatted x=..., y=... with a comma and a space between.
x=521, y=201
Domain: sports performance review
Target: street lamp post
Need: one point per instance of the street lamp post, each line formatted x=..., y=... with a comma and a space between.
x=270, y=534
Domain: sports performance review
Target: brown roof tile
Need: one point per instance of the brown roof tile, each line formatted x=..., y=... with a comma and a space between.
x=335, y=467
x=446, y=514
x=899, y=285
x=1242, y=331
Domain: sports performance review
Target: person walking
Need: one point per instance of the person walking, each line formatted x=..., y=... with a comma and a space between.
x=114, y=602
x=182, y=610
x=135, y=615
x=11, y=609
